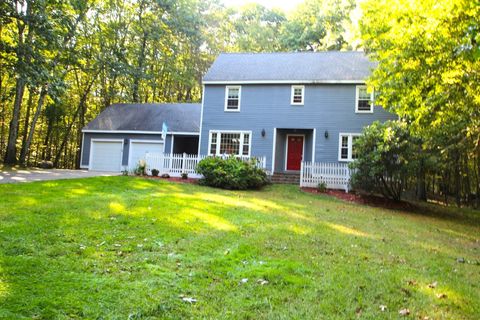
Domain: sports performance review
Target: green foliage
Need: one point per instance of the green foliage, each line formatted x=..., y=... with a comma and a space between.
x=387, y=158
x=155, y=172
x=322, y=187
x=231, y=173
x=428, y=55
x=184, y=175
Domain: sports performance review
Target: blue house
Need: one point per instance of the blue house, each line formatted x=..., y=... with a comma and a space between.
x=287, y=107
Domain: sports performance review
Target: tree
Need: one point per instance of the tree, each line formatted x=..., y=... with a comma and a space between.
x=428, y=73
x=387, y=159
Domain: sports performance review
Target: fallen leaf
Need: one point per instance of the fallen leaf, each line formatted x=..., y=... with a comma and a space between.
x=412, y=282
x=441, y=295
x=404, y=312
x=189, y=299
x=383, y=307
x=117, y=245
x=262, y=282
x=433, y=285
x=244, y=280
x=461, y=260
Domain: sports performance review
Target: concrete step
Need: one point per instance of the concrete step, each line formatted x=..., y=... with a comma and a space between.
x=285, y=178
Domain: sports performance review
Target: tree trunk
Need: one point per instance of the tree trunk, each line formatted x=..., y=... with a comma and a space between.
x=421, y=187
x=26, y=146
x=11, y=154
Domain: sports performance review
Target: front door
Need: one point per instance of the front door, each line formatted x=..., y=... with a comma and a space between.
x=294, y=152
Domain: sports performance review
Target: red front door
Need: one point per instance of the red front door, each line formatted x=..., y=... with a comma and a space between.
x=294, y=152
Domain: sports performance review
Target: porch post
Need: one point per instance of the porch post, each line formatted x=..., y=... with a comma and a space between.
x=273, y=148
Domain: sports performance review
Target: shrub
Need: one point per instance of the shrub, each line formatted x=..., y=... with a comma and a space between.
x=387, y=158
x=184, y=175
x=322, y=187
x=140, y=168
x=155, y=172
x=166, y=176
x=231, y=173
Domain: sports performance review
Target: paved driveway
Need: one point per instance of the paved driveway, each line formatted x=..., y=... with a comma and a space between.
x=27, y=175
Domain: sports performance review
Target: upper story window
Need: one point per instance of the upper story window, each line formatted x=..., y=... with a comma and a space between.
x=364, y=100
x=230, y=143
x=346, y=146
x=298, y=93
x=232, y=98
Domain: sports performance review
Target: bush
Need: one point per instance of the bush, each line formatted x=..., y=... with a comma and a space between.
x=322, y=187
x=140, y=168
x=155, y=172
x=184, y=175
x=387, y=157
x=231, y=173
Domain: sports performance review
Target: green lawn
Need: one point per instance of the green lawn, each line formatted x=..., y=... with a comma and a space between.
x=122, y=247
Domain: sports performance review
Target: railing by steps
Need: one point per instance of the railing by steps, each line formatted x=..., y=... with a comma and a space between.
x=176, y=164
x=334, y=175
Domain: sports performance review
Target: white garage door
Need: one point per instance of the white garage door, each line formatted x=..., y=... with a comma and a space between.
x=106, y=155
x=138, y=149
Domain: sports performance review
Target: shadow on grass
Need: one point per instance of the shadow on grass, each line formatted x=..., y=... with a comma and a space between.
x=117, y=247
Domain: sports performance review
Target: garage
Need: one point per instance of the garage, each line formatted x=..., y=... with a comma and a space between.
x=123, y=133
x=106, y=155
x=139, y=148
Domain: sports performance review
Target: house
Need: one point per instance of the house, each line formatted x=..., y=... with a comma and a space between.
x=286, y=107
x=121, y=135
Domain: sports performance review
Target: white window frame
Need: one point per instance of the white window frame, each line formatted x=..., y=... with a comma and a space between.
x=350, y=145
x=357, y=95
x=227, y=89
x=292, y=95
x=240, y=148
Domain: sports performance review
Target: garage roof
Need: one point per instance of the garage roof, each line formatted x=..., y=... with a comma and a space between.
x=179, y=117
x=329, y=66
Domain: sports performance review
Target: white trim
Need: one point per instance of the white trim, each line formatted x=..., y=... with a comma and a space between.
x=225, y=82
x=274, y=147
x=241, y=132
x=357, y=89
x=81, y=152
x=286, y=148
x=171, y=145
x=141, y=141
x=140, y=132
x=349, y=143
x=313, y=144
x=227, y=88
x=292, y=95
x=201, y=121
x=122, y=141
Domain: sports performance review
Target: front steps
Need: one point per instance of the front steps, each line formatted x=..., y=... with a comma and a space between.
x=286, y=178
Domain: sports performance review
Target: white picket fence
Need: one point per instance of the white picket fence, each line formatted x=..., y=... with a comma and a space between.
x=176, y=164
x=334, y=175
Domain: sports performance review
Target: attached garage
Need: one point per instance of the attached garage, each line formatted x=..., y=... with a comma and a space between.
x=138, y=149
x=122, y=134
x=106, y=155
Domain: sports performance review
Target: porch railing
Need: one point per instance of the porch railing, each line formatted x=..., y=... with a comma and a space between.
x=176, y=164
x=334, y=175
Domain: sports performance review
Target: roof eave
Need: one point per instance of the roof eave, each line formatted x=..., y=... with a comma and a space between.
x=283, y=82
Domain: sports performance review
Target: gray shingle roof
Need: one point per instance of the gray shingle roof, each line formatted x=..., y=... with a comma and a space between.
x=181, y=117
x=340, y=66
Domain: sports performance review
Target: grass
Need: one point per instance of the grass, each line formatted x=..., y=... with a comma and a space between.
x=129, y=248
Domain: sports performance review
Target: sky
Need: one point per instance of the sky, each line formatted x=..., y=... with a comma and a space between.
x=285, y=5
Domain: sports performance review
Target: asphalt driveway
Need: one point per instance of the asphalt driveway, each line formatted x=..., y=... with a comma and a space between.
x=15, y=175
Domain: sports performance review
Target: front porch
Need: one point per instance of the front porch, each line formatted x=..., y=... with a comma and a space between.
x=291, y=147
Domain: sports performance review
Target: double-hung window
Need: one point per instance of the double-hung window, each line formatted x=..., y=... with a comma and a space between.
x=364, y=100
x=346, y=146
x=232, y=98
x=298, y=94
x=230, y=143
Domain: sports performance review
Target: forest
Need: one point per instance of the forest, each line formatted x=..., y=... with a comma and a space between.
x=63, y=61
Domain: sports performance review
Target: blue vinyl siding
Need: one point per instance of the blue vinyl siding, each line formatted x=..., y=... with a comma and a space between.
x=327, y=107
